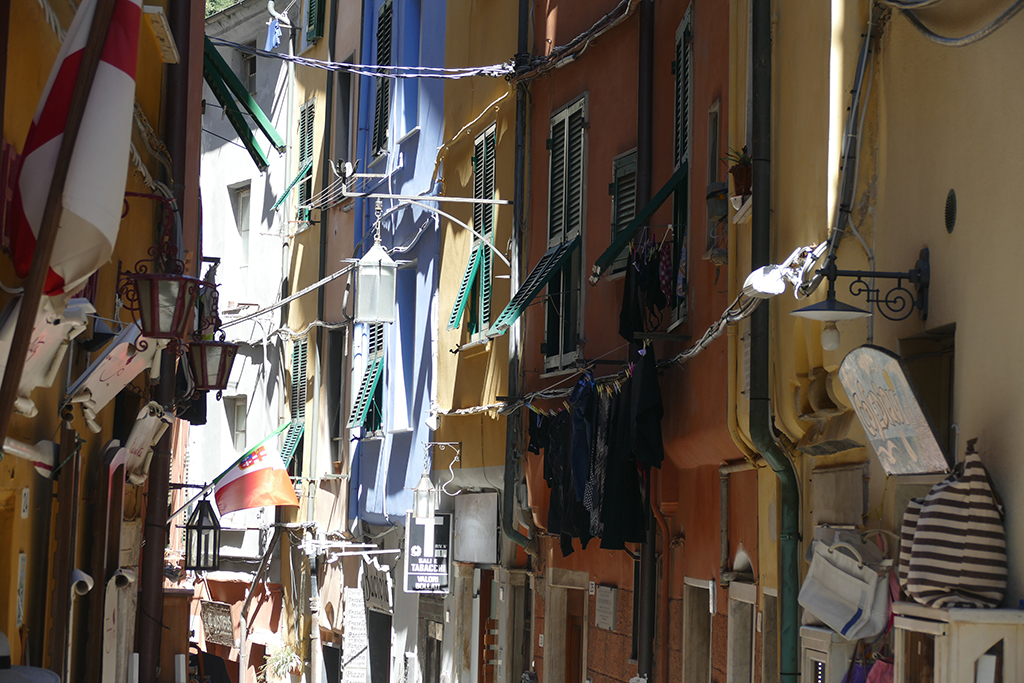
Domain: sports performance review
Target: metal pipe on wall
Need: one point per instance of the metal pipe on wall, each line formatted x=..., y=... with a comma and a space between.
x=761, y=430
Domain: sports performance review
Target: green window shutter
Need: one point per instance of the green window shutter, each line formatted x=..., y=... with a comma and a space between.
x=307, y=116
x=623, y=198
x=574, y=175
x=315, y=20
x=371, y=376
x=483, y=221
x=464, y=289
x=550, y=263
x=683, y=90
x=556, y=189
x=303, y=172
x=299, y=380
x=291, y=441
x=381, y=111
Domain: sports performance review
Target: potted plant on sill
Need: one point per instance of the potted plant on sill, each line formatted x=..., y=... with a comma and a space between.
x=281, y=664
x=741, y=169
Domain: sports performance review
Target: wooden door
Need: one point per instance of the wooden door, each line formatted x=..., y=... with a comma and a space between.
x=574, y=636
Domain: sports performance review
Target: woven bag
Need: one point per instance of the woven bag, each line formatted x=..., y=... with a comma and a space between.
x=957, y=553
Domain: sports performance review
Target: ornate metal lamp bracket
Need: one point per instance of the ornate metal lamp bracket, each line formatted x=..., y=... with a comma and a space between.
x=898, y=302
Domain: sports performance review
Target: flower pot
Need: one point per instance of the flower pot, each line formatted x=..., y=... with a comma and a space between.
x=742, y=178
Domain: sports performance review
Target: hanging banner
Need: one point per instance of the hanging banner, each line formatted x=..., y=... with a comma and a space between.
x=427, y=557
x=890, y=411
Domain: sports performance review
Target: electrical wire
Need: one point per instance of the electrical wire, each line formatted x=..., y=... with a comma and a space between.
x=982, y=33
x=375, y=70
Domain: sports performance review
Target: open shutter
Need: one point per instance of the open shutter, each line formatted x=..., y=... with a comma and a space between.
x=550, y=262
x=307, y=115
x=464, y=289
x=371, y=376
x=314, y=20
x=381, y=112
x=297, y=401
x=483, y=219
x=623, y=199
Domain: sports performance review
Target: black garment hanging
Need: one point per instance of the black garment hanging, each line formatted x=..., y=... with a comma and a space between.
x=647, y=412
x=622, y=509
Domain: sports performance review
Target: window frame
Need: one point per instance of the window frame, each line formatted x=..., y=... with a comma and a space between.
x=371, y=384
x=682, y=152
x=243, y=221
x=573, y=268
x=238, y=404
x=313, y=22
x=481, y=291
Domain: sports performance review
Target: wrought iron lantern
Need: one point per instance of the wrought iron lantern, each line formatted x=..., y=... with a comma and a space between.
x=210, y=359
x=162, y=301
x=424, y=498
x=375, y=287
x=202, y=539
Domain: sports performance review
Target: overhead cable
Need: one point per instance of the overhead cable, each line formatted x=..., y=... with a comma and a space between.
x=980, y=34
x=374, y=70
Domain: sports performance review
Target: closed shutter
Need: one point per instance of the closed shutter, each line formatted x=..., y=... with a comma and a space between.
x=682, y=71
x=371, y=377
x=623, y=189
x=381, y=112
x=483, y=219
x=307, y=115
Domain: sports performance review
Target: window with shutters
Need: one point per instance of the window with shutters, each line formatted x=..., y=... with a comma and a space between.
x=367, y=404
x=248, y=75
x=237, y=410
x=307, y=115
x=297, y=400
x=474, y=293
x=566, y=189
x=682, y=70
x=623, y=192
x=382, y=106
x=315, y=10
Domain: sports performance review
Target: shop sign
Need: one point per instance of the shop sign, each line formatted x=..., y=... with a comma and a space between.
x=890, y=411
x=217, y=624
x=427, y=557
x=376, y=583
x=476, y=528
x=354, y=640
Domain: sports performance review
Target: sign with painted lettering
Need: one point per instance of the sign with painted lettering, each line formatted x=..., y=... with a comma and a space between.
x=376, y=583
x=354, y=640
x=427, y=553
x=890, y=411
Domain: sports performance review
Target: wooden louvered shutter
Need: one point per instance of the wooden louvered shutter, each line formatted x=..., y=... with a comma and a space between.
x=681, y=68
x=382, y=107
x=556, y=191
x=368, y=388
x=297, y=402
x=623, y=199
x=574, y=174
x=307, y=115
x=314, y=20
x=483, y=220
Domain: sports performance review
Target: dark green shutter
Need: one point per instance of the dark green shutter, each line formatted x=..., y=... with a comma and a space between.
x=683, y=55
x=468, y=278
x=315, y=20
x=623, y=199
x=307, y=115
x=371, y=376
x=483, y=220
x=381, y=112
x=574, y=173
x=298, y=176
x=297, y=401
x=556, y=190
x=549, y=264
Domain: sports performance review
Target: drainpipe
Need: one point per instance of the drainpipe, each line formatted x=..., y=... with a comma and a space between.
x=151, y=584
x=666, y=578
x=513, y=423
x=761, y=431
x=644, y=147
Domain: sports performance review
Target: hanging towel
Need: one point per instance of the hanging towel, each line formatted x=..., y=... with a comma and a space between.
x=273, y=35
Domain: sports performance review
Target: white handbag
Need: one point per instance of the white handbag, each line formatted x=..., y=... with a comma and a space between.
x=843, y=592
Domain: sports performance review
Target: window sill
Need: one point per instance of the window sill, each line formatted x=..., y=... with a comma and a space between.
x=475, y=347
x=558, y=372
x=415, y=131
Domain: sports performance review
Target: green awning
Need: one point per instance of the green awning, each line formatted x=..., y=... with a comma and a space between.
x=549, y=264
x=624, y=237
x=295, y=181
x=291, y=441
x=464, y=289
x=227, y=89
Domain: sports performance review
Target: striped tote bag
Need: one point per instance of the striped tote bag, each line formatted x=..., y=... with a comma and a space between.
x=957, y=548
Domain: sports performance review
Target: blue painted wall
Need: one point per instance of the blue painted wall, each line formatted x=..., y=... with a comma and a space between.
x=385, y=470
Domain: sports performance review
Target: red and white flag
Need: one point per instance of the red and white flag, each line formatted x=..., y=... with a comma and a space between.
x=94, y=191
x=258, y=479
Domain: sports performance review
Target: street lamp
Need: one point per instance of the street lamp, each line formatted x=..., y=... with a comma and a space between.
x=202, y=539
x=210, y=359
x=424, y=498
x=897, y=303
x=375, y=286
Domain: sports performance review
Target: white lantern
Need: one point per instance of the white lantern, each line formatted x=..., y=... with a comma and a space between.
x=375, y=287
x=424, y=499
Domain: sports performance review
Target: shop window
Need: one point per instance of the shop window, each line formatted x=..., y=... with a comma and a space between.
x=566, y=191
x=382, y=105
x=740, y=647
x=623, y=192
x=929, y=358
x=696, y=646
